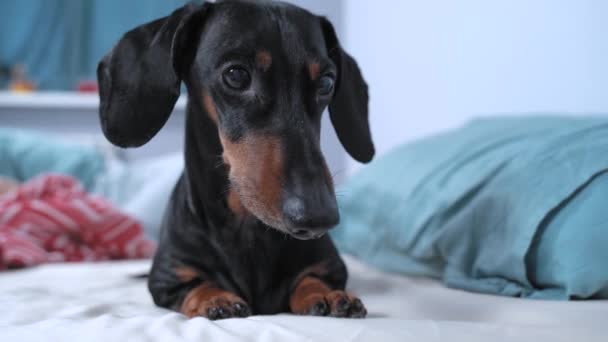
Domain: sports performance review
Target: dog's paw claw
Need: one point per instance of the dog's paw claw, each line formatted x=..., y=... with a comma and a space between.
x=241, y=310
x=358, y=310
x=335, y=304
x=223, y=309
x=343, y=305
x=214, y=313
x=225, y=305
x=319, y=309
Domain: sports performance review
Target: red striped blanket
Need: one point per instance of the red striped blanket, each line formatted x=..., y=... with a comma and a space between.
x=52, y=219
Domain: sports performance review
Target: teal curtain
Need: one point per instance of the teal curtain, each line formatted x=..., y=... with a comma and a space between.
x=61, y=41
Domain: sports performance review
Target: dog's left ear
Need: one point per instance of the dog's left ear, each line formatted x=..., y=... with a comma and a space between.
x=348, y=108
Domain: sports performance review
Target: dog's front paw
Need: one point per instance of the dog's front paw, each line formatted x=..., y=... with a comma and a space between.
x=335, y=303
x=214, y=304
x=345, y=305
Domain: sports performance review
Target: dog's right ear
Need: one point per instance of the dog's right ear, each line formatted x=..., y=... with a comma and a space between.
x=140, y=79
x=348, y=109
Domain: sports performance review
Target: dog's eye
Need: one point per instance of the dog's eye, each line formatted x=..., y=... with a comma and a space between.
x=237, y=78
x=326, y=85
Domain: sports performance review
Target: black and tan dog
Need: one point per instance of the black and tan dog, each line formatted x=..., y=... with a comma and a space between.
x=244, y=230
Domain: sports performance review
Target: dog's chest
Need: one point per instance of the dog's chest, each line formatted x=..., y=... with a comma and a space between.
x=254, y=264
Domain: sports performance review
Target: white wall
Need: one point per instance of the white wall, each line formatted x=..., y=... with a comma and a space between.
x=433, y=64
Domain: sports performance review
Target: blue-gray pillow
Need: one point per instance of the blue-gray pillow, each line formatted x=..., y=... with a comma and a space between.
x=512, y=206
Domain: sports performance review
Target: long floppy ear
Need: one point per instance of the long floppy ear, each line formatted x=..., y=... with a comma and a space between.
x=348, y=108
x=140, y=78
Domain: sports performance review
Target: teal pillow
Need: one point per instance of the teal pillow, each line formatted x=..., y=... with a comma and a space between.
x=511, y=206
x=26, y=154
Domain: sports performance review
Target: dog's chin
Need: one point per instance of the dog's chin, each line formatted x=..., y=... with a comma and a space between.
x=299, y=234
x=296, y=233
x=306, y=235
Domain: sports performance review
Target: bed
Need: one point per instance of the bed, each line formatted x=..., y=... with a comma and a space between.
x=107, y=302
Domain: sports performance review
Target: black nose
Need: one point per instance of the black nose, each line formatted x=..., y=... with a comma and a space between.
x=310, y=219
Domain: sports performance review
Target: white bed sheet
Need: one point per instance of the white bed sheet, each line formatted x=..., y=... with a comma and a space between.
x=102, y=302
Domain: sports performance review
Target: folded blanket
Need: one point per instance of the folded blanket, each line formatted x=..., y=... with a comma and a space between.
x=51, y=218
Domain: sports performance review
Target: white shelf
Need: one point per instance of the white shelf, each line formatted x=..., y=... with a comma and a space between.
x=58, y=100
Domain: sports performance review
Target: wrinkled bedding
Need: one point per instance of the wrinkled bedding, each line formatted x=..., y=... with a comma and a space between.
x=104, y=302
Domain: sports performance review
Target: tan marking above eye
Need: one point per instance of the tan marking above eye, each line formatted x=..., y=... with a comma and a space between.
x=314, y=70
x=263, y=60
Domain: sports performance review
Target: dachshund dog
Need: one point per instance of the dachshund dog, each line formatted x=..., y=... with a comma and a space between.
x=244, y=229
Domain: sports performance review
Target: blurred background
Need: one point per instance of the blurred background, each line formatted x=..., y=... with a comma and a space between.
x=431, y=65
x=512, y=204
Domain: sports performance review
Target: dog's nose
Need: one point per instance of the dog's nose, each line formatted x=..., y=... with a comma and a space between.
x=310, y=219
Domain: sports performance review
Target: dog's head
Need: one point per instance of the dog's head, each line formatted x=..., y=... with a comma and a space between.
x=262, y=73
